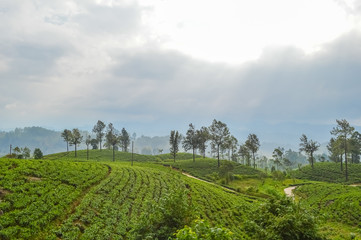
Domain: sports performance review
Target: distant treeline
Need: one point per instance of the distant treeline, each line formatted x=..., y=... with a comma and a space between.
x=50, y=141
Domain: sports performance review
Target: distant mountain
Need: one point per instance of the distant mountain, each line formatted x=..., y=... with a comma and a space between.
x=48, y=141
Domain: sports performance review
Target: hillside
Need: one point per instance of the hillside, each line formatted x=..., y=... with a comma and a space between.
x=96, y=199
x=207, y=168
x=339, y=206
x=62, y=197
x=328, y=172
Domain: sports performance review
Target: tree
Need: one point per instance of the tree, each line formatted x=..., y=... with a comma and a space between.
x=309, y=147
x=66, y=135
x=355, y=147
x=17, y=152
x=202, y=138
x=253, y=145
x=191, y=140
x=245, y=154
x=174, y=141
x=99, y=132
x=88, y=141
x=124, y=140
x=231, y=145
x=278, y=156
x=219, y=132
x=94, y=143
x=26, y=152
x=343, y=131
x=76, y=139
x=38, y=154
x=112, y=138
x=335, y=150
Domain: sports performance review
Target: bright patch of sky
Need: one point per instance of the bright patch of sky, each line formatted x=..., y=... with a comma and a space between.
x=236, y=31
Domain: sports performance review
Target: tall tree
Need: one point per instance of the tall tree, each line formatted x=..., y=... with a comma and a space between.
x=335, y=150
x=76, y=139
x=245, y=154
x=88, y=141
x=232, y=143
x=278, y=156
x=355, y=147
x=112, y=138
x=202, y=138
x=253, y=145
x=309, y=147
x=99, y=132
x=174, y=140
x=344, y=131
x=94, y=143
x=124, y=140
x=66, y=135
x=26, y=152
x=219, y=132
x=190, y=141
x=38, y=154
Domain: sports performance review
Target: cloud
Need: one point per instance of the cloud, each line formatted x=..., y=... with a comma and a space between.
x=71, y=63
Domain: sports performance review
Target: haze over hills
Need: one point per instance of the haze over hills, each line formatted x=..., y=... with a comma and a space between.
x=50, y=141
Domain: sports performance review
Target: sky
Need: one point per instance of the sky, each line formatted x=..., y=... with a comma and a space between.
x=276, y=68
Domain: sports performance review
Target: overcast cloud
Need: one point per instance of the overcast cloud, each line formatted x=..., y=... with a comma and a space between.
x=66, y=64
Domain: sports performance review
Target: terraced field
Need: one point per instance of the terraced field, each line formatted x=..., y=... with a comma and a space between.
x=329, y=172
x=63, y=199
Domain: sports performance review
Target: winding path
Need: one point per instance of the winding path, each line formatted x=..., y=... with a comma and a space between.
x=191, y=176
x=289, y=192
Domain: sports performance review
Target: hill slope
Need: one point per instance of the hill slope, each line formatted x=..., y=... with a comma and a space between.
x=52, y=199
x=328, y=172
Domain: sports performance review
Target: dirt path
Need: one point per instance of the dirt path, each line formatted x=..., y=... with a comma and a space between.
x=190, y=176
x=355, y=185
x=289, y=192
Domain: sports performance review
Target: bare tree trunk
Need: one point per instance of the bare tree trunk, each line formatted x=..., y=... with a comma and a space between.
x=346, y=173
x=219, y=164
x=341, y=163
x=254, y=160
x=132, y=152
x=194, y=159
x=113, y=153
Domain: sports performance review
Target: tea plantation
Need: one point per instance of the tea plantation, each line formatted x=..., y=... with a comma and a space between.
x=92, y=197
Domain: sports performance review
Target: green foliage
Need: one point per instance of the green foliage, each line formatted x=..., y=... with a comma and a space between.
x=201, y=229
x=59, y=198
x=335, y=202
x=207, y=168
x=35, y=193
x=161, y=219
x=280, y=219
x=218, y=133
x=174, y=141
x=38, y=154
x=98, y=129
x=253, y=145
x=328, y=172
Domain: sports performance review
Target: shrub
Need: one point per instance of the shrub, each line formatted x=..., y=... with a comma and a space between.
x=162, y=219
x=281, y=219
x=202, y=230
